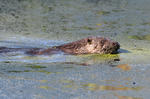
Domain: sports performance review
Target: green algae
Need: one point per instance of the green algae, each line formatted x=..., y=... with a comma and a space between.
x=15, y=71
x=103, y=12
x=146, y=23
x=140, y=37
x=95, y=87
x=128, y=24
x=101, y=57
x=67, y=81
x=45, y=87
x=36, y=66
x=87, y=28
x=41, y=71
x=90, y=59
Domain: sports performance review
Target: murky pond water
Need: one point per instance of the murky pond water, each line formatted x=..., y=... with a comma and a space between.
x=45, y=23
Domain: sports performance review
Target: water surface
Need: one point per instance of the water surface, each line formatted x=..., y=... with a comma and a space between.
x=45, y=23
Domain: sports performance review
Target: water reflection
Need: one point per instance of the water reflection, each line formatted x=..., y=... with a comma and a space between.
x=123, y=51
x=71, y=20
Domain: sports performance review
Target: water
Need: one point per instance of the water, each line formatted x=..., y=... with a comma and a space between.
x=45, y=23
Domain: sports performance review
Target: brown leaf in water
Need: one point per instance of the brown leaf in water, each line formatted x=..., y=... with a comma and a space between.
x=124, y=67
x=125, y=97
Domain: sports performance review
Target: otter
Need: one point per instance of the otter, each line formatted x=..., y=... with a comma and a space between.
x=89, y=45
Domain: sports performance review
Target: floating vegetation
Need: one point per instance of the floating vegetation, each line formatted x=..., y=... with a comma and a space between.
x=98, y=24
x=102, y=57
x=125, y=97
x=45, y=87
x=48, y=9
x=43, y=81
x=44, y=28
x=42, y=71
x=82, y=27
x=146, y=23
x=140, y=37
x=36, y=66
x=67, y=81
x=124, y=67
x=117, y=10
x=87, y=28
x=69, y=84
x=103, y=12
x=7, y=61
x=127, y=24
x=95, y=87
x=110, y=23
x=15, y=71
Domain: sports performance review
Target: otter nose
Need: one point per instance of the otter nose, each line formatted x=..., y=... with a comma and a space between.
x=116, y=45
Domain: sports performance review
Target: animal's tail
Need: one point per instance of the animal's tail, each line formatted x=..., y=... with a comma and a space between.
x=7, y=49
x=30, y=51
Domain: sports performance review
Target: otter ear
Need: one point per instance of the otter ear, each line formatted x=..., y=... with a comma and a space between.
x=89, y=41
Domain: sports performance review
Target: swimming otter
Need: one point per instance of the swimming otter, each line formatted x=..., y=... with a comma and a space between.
x=89, y=45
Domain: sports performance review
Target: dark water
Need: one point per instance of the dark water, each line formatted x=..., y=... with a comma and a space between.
x=44, y=23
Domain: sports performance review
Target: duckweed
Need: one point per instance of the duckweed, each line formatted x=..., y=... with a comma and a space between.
x=140, y=37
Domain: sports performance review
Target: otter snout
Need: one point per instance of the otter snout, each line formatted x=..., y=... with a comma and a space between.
x=115, y=46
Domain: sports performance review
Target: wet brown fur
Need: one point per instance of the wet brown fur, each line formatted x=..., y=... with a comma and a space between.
x=89, y=45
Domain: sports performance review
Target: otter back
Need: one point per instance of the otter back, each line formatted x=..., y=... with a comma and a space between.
x=89, y=45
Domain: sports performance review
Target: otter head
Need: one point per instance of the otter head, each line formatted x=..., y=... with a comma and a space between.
x=101, y=45
x=95, y=45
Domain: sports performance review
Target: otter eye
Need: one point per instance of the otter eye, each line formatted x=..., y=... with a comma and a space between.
x=102, y=42
x=113, y=43
x=89, y=41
